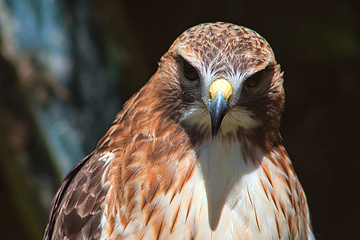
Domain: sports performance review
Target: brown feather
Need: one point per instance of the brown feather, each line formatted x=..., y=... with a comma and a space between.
x=76, y=209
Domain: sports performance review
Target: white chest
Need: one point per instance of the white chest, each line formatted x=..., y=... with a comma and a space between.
x=231, y=203
x=223, y=200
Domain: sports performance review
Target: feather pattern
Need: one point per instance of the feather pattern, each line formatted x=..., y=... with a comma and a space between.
x=158, y=173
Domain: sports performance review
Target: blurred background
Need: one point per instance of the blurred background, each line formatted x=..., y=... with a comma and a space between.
x=67, y=67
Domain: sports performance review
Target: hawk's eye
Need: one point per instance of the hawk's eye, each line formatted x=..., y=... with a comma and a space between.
x=189, y=71
x=254, y=80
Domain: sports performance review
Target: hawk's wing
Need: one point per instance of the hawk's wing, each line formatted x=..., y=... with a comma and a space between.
x=76, y=209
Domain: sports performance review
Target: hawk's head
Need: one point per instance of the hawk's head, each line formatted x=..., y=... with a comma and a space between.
x=223, y=82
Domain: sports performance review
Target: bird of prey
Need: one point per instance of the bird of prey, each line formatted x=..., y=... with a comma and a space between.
x=195, y=154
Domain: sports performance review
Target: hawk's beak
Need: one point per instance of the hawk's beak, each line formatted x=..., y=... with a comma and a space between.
x=220, y=92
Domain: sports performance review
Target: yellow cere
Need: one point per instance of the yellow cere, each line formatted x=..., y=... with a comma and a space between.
x=220, y=86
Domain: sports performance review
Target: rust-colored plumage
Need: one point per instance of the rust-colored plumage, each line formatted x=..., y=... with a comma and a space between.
x=190, y=159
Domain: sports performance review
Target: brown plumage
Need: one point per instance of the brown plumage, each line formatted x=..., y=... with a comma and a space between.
x=195, y=154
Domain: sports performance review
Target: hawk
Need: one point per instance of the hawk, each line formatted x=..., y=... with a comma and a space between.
x=195, y=154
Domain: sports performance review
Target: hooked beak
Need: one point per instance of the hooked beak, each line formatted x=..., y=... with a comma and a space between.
x=220, y=92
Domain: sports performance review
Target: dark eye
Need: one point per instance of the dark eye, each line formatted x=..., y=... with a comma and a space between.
x=189, y=71
x=254, y=80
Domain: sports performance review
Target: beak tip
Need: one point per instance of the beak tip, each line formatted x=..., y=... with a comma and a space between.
x=214, y=132
x=218, y=109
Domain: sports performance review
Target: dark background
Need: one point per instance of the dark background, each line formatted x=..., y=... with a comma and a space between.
x=114, y=48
